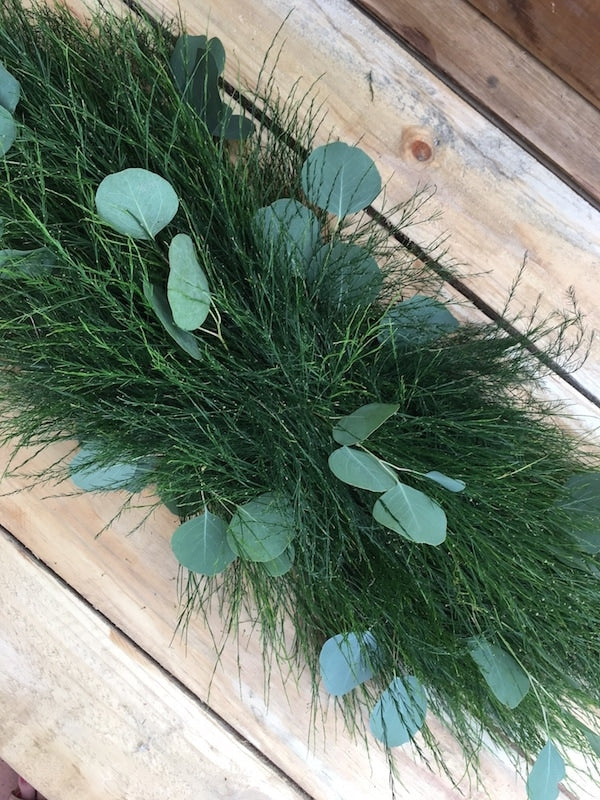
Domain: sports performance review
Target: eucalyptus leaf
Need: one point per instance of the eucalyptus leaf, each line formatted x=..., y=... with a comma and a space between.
x=340, y=179
x=593, y=740
x=346, y=275
x=416, y=321
x=262, y=529
x=187, y=287
x=412, y=514
x=546, y=773
x=505, y=678
x=93, y=477
x=346, y=661
x=583, y=501
x=136, y=202
x=30, y=262
x=362, y=469
x=281, y=564
x=200, y=544
x=158, y=300
x=8, y=131
x=234, y=126
x=10, y=90
x=184, y=58
x=291, y=227
x=360, y=424
x=452, y=484
x=400, y=712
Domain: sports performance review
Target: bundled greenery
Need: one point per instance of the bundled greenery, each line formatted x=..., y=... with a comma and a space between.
x=225, y=323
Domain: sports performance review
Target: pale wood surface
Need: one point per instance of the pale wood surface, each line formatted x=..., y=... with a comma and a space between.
x=87, y=716
x=563, y=34
x=503, y=78
x=131, y=579
x=497, y=202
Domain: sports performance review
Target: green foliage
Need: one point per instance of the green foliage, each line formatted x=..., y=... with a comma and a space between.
x=8, y=131
x=30, y=262
x=159, y=303
x=360, y=424
x=290, y=225
x=200, y=544
x=91, y=476
x=362, y=469
x=412, y=514
x=546, y=774
x=583, y=498
x=346, y=276
x=346, y=660
x=10, y=90
x=340, y=179
x=262, y=529
x=197, y=63
x=187, y=288
x=400, y=712
x=236, y=419
x=416, y=321
x=136, y=202
x=502, y=674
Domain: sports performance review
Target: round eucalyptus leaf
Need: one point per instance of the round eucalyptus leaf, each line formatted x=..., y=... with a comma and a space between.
x=583, y=502
x=345, y=661
x=263, y=528
x=400, y=712
x=8, y=131
x=412, y=514
x=452, y=484
x=30, y=262
x=92, y=477
x=416, y=321
x=187, y=287
x=340, y=179
x=158, y=300
x=505, y=678
x=10, y=90
x=184, y=58
x=289, y=227
x=345, y=275
x=282, y=564
x=362, y=469
x=136, y=202
x=360, y=424
x=546, y=773
x=200, y=544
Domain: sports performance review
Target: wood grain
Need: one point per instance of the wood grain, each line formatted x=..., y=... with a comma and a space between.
x=86, y=714
x=563, y=34
x=130, y=577
x=501, y=78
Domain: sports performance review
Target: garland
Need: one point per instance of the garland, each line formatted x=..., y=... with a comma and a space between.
x=227, y=323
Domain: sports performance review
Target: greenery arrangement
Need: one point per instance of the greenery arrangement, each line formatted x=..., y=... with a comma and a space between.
x=227, y=323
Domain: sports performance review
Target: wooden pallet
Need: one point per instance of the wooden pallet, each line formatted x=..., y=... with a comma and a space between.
x=100, y=700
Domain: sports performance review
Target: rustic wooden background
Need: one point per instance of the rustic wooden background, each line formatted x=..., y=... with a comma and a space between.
x=99, y=699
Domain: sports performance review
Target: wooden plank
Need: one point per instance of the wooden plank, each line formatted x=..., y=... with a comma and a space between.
x=497, y=201
x=131, y=579
x=463, y=46
x=563, y=34
x=86, y=714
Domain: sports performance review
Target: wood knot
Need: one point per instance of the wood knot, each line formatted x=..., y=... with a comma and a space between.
x=417, y=145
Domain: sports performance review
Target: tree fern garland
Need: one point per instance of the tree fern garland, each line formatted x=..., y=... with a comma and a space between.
x=83, y=355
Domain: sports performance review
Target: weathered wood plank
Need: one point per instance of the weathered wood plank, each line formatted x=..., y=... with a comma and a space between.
x=463, y=46
x=563, y=34
x=497, y=202
x=86, y=714
x=131, y=579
